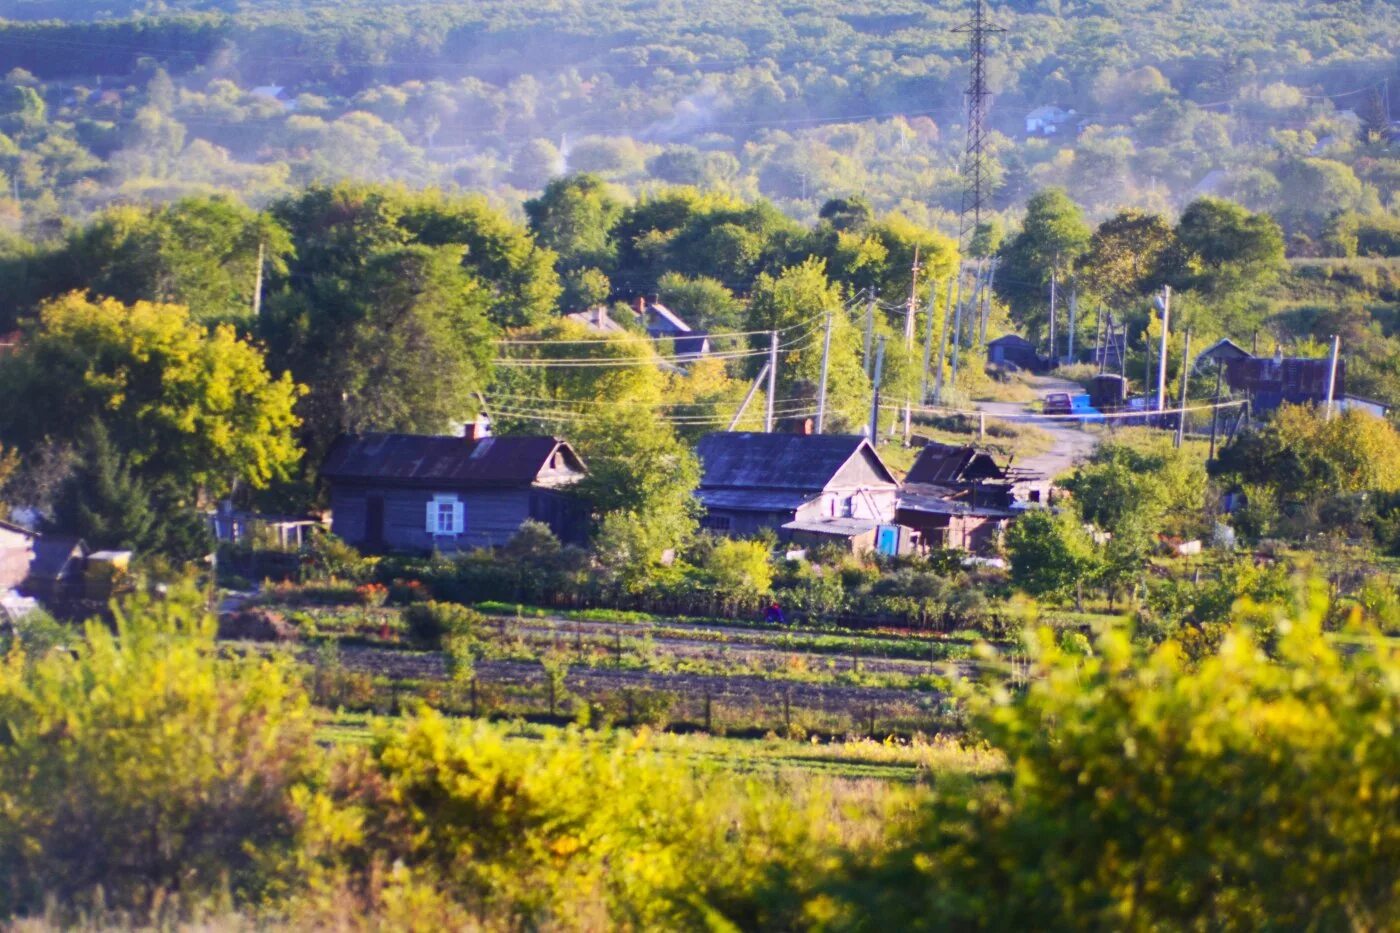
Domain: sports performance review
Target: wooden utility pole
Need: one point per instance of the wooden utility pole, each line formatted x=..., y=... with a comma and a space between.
x=943, y=337
x=909, y=340
x=957, y=328
x=928, y=341
x=869, y=330
x=1185, y=375
x=1054, y=288
x=1215, y=409
x=821, y=386
x=987, y=301
x=1332, y=375
x=258, y=280
x=772, y=379
x=1073, y=312
x=875, y=395
x=1166, y=305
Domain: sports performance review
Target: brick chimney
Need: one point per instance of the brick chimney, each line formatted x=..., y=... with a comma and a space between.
x=478, y=429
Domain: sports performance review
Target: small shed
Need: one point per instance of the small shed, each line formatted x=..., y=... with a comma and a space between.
x=1014, y=350
x=1222, y=351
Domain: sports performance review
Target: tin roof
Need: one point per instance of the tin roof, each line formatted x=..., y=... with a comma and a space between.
x=417, y=460
x=840, y=527
x=805, y=462
x=947, y=463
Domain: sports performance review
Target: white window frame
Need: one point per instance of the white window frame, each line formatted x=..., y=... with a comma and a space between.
x=445, y=516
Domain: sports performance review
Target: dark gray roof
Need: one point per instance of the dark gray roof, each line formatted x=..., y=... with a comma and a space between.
x=946, y=463
x=753, y=500
x=1224, y=349
x=1010, y=340
x=751, y=460
x=54, y=554
x=433, y=460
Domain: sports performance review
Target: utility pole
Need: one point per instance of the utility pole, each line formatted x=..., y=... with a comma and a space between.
x=928, y=341
x=875, y=395
x=258, y=280
x=1185, y=374
x=1332, y=375
x=974, y=169
x=1098, y=339
x=1215, y=409
x=909, y=340
x=1166, y=306
x=1073, y=312
x=987, y=301
x=957, y=333
x=869, y=330
x=913, y=297
x=943, y=337
x=772, y=379
x=821, y=386
x=1054, y=287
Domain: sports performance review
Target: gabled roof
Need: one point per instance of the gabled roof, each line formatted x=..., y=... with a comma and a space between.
x=946, y=463
x=673, y=319
x=803, y=462
x=53, y=556
x=434, y=460
x=1011, y=340
x=1224, y=349
x=18, y=529
x=695, y=343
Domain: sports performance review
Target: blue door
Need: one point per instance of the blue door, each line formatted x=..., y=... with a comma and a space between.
x=887, y=540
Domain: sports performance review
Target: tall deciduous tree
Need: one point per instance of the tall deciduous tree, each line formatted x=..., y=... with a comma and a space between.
x=184, y=405
x=1052, y=238
x=1129, y=255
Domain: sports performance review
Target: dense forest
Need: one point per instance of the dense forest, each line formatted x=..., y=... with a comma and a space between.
x=1284, y=107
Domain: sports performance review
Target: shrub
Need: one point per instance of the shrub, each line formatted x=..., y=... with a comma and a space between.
x=142, y=763
x=429, y=622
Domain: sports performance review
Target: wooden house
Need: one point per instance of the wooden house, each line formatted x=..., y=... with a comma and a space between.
x=957, y=497
x=809, y=488
x=406, y=492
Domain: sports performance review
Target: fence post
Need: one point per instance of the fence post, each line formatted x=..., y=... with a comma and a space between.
x=709, y=713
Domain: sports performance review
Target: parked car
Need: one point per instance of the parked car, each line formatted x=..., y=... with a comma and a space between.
x=1057, y=403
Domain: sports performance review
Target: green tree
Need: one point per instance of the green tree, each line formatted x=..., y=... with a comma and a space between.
x=1050, y=553
x=1129, y=256
x=1150, y=790
x=1053, y=236
x=183, y=405
x=1229, y=251
x=574, y=217
x=637, y=466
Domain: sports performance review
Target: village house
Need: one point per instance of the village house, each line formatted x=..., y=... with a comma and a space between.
x=1269, y=382
x=664, y=324
x=957, y=497
x=407, y=492
x=809, y=488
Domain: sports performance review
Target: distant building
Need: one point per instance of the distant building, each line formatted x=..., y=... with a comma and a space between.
x=1223, y=351
x=1014, y=350
x=1268, y=382
x=808, y=488
x=956, y=497
x=1371, y=406
x=597, y=319
x=1048, y=120
x=432, y=493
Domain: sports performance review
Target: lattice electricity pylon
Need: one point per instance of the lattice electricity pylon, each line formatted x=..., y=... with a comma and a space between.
x=974, y=169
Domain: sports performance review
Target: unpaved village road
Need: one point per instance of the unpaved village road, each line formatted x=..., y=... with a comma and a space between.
x=1071, y=443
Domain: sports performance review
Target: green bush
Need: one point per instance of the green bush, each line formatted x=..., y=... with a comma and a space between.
x=429, y=622
x=142, y=764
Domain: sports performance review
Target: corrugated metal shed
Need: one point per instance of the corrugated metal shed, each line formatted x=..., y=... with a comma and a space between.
x=430, y=460
x=751, y=460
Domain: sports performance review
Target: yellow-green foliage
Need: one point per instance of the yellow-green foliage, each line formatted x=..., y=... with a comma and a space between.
x=578, y=833
x=141, y=762
x=1253, y=789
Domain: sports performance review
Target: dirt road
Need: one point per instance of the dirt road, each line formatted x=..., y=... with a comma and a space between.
x=1071, y=443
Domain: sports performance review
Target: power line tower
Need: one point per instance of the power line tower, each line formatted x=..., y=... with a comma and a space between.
x=974, y=168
